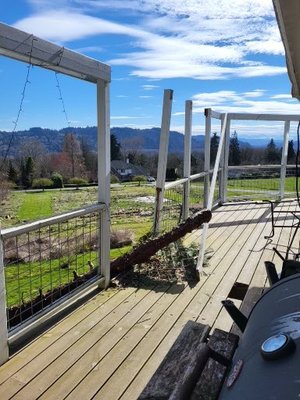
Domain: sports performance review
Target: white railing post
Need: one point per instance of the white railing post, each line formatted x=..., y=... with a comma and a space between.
x=211, y=195
x=4, y=351
x=187, y=157
x=225, y=163
x=207, y=113
x=162, y=157
x=221, y=173
x=284, y=156
x=103, y=145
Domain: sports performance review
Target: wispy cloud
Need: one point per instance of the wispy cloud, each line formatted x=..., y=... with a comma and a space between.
x=126, y=117
x=200, y=39
x=89, y=49
x=232, y=101
x=150, y=87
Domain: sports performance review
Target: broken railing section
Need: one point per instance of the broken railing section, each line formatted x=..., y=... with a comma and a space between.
x=176, y=200
x=182, y=202
x=143, y=252
x=162, y=157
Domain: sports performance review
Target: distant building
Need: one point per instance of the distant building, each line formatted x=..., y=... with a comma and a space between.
x=125, y=171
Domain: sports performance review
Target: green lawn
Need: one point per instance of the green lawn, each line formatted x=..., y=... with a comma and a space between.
x=35, y=206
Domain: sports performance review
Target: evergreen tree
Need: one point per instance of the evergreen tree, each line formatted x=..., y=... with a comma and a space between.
x=291, y=152
x=29, y=170
x=234, y=150
x=272, y=154
x=12, y=173
x=214, y=144
x=115, y=148
x=26, y=170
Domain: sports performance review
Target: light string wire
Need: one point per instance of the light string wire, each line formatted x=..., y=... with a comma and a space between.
x=23, y=94
x=58, y=85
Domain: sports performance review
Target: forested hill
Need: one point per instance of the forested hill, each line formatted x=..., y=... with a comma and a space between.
x=146, y=140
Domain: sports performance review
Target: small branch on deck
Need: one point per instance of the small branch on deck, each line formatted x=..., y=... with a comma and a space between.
x=145, y=251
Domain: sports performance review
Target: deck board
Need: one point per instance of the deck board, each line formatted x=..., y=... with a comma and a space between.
x=110, y=347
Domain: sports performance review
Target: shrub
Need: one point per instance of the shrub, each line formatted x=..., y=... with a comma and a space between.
x=57, y=180
x=114, y=179
x=42, y=183
x=78, y=181
x=120, y=238
x=139, y=179
x=5, y=188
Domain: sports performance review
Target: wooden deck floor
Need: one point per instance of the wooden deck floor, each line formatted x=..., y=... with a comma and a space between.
x=110, y=347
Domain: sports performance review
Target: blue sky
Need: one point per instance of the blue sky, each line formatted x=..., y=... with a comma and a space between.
x=222, y=54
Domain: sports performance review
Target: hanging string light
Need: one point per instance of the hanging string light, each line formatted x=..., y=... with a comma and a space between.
x=20, y=109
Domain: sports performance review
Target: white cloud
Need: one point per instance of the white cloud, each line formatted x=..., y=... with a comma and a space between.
x=201, y=39
x=150, y=87
x=283, y=96
x=68, y=26
x=123, y=117
x=89, y=49
x=255, y=93
x=145, y=97
x=232, y=101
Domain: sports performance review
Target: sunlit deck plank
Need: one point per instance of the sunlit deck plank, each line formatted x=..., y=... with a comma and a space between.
x=60, y=329
x=100, y=324
x=192, y=311
x=235, y=256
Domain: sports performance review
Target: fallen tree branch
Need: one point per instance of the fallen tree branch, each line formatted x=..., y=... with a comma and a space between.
x=145, y=251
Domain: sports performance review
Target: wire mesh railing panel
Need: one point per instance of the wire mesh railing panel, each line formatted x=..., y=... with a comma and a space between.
x=217, y=191
x=196, y=194
x=171, y=213
x=253, y=183
x=44, y=264
x=290, y=182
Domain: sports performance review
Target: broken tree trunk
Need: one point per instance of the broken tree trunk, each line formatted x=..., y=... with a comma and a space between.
x=144, y=251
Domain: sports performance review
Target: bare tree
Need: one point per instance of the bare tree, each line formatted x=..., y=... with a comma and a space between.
x=131, y=148
x=72, y=147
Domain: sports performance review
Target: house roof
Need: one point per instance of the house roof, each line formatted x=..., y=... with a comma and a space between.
x=136, y=169
x=119, y=164
x=288, y=19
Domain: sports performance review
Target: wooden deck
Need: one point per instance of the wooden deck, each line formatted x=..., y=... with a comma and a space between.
x=110, y=347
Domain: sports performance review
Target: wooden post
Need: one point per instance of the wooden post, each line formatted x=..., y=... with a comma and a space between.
x=162, y=156
x=187, y=156
x=4, y=351
x=225, y=163
x=207, y=113
x=103, y=145
x=211, y=195
x=284, y=158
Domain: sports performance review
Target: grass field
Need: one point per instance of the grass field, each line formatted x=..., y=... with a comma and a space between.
x=24, y=280
x=131, y=210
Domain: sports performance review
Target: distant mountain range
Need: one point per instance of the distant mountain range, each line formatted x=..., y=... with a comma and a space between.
x=146, y=140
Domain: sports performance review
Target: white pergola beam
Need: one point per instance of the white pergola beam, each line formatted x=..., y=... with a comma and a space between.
x=263, y=117
x=25, y=47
